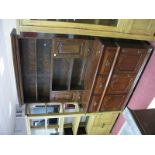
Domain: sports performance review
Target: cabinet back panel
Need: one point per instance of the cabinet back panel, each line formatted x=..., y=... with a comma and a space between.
x=60, y=74
x=28, y=68
x=43, y=68
x=77, y=75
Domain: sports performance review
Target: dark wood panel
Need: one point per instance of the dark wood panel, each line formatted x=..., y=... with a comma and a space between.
x=100, y=84
x=107, y=60
x=93, y=62
x=78, y=72
x=68, y=46
x=85, y=96
x=17, y=66
x=61, y=96
x=130, y=60
x=60, y=74
x=113, y=102
x=109, y=77
x=94, y=59
x=28, y=66
x=43, y=68
x=94, y=103
x=120, y=83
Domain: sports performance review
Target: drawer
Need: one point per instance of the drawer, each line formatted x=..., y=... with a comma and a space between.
x=107, y=60
x=120, y=83
x=99, y=85
x=113, y=102
x=58, y=96
x=94, y=103
x=130, y=60
x=105, y=118
x=68, y=47
x=104, y=130
x=107, y=115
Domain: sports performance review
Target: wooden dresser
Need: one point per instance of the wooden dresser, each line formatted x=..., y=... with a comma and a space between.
x=98, y=73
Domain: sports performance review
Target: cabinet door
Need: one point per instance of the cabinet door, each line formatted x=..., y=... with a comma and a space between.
x=130, y=60
x=120, y=83
x=68, y=47
x=113, y=102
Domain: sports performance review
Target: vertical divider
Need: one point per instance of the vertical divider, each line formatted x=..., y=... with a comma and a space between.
x=83, y=69
x=61, y=125
x=109, y=77
x=28, y=125
x=51, y=68
x=70, y=74
x=61, y=121
x=17, y=62
x=97, y=68
x=76, y=121
x=36, y=83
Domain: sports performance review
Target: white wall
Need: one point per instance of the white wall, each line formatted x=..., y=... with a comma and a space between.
x=8, y=93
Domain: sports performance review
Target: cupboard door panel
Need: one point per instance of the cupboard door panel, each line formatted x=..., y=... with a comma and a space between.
x=120, y=83
x=68, y=46
x=130, y=60
x=107, y=60
x=99, y=85
x=113, y=102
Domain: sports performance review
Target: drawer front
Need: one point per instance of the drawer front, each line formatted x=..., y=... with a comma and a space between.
x=105, y=130
x=99, y=85
x=130, y=60
x=58, y=96
x=113, y=102
x=94, y=103
x=107, y=61
x=105, y=118
x=68, y=46
x=120, y=83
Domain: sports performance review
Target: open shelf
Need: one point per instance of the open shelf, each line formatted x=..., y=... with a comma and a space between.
x=77, y=79
x=68, y=74
x=60, y=74
x=28, y=68
x=35, y=56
